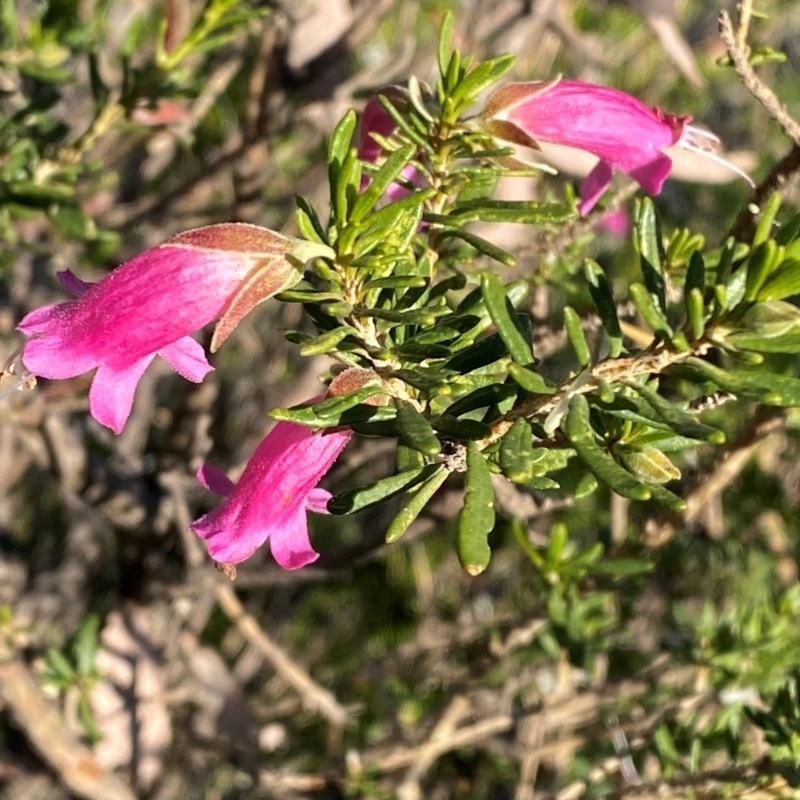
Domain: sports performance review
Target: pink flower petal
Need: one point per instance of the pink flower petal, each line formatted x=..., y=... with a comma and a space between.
x=187, y=357
x=215, y=480
x=72, y=283
x=46, y=319
x=112, y=391
x=593, y=186
x=292, y=549
x=49, y=355
x=651, y=176
x=318, y=500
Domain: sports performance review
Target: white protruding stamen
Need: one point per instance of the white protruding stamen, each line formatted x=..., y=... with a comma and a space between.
x=703, y=142
x=25, y=381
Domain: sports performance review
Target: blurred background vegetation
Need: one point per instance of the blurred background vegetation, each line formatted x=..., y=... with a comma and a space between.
x=129, y=668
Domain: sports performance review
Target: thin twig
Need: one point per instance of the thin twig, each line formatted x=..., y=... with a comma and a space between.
x=738, y=54
x=747, y=773
x=433, y=749
x=75, y=765
x=745, y=13
x=779, y=178
x=315, y=697
x=725, y=471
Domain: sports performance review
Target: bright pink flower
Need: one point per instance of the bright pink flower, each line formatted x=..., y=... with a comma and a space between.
x=272, y=498
x=376, y=119
x=149, y=306
x=622, y=131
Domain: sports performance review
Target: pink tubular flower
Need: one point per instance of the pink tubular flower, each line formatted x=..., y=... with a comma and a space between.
x=622, y=131
x=149, y=306
x=271, y=499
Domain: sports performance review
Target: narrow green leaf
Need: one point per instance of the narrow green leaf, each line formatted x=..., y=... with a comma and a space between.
x=730, y=252
x=765, y=224
x=516, y=452
x=788, y=343
x=408, y=458
x=414, y=507
x=789, y=231
x=478, y=355
x=405, y=125
x=481, y=77
x=359, y=413
x=523, y=211
x=679, y=341
x=763, y=259
x=577, y=338
x=452, y=76
x=559, y=536
x=308, y=222
x=502, y=314
x=651, y=251
x=483, y=397
x=339, y=144
x=473, y=303
x=381, y=181
x=782, y=283
x=651, y=313
x=603, y=298
x=424, y=316
x=334, y=407
x=477, y=517
x=397, y=282
x=529, y=380
x=464, y=429
x=60, y=667
x=345, y=193
x=679, y=421
x=446, y=330
x=416, y=431
x=326, y=342
x=380, y=428
x=414, y=351
x=623, y=567
x=87, y=645
x=695, y=273
x=578, y=430
x=455, y=283
x=586, y=486
x=769, y=388
x=546, y=460
x=667, y=498
x=352, y=500
x=542, y=484
x=445, y=39
x=650, y=464
x=771, y=319
x=481, y=245
x=695, y=312
x=426, y=380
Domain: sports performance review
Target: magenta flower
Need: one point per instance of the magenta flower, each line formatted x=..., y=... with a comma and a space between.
x=272, y=498
x=622, y=131
x=376, y=119
x=150, y=306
